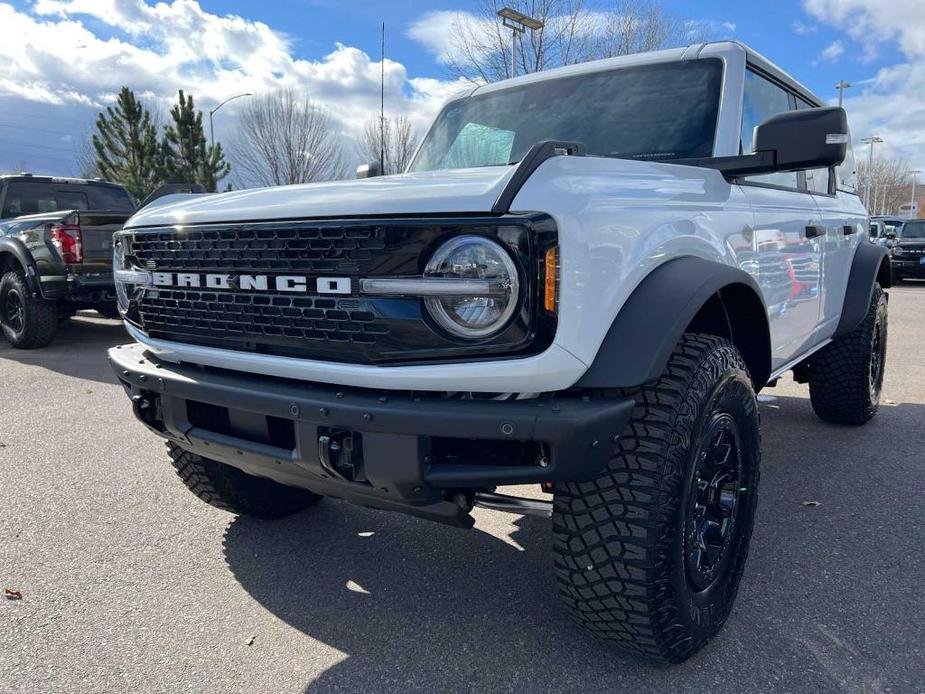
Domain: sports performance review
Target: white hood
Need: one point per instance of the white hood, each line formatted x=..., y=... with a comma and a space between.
x=433, y=192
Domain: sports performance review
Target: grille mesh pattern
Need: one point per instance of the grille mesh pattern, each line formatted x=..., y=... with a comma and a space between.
x=308, y=249
x=258, y=317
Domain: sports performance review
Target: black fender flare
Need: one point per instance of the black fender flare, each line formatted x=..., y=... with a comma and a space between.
x=18, y=250
x=871, y=264
x=641, y=338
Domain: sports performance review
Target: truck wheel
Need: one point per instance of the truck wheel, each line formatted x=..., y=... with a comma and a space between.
x=846, y=377
x=649, y=555
x=27, y=322
x=229, y=489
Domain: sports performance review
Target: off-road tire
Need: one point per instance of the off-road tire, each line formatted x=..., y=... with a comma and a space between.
x=845, y=378
x=26, y=322
x=622, y=542
x=230, y=489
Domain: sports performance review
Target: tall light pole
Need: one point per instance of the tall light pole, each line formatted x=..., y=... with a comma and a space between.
x=842, y=86
x=870, y=141
x=913, y=208
x=518, y=23
x=212, y=113
x=382, y=171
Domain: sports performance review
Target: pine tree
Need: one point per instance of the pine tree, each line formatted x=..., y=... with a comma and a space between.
x=185, y=155
x=126, y=146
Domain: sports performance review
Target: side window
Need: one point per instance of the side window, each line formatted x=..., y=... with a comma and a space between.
x=817, y=180
x=846, y=175
x=763, y=99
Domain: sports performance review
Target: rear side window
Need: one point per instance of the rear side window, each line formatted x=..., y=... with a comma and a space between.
x=817, y=180
x=762, y=100
x=32, y=198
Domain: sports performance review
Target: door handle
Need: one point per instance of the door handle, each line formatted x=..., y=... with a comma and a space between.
x=849, y=229
x=814, y=230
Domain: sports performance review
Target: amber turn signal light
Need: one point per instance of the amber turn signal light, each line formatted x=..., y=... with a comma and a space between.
x=551, y=279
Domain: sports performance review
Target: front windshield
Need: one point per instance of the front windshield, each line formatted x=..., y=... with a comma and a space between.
x=913, y=230
x=663, y=111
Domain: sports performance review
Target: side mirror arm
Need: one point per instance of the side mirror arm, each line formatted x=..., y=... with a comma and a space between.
x=737, y=166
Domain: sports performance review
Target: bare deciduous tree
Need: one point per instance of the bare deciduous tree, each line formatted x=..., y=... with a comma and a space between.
x=284, y=138
x=85, y=157
x=401, y=140
x=889, y=182
x=573, y=32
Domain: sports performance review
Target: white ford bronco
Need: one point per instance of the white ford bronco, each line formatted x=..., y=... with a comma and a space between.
x=581, y=282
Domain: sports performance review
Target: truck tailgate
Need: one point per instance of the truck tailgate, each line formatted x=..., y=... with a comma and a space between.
x=97, y=229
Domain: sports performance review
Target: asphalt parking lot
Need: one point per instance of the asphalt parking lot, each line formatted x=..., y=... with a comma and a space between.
x=130, y=584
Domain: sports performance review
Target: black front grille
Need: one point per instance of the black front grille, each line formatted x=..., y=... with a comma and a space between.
x=310, y=249
x=259, y=317
x=350, y=328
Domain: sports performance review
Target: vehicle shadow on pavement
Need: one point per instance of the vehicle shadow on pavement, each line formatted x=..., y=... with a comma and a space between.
x=78, y=350
x=417, y=606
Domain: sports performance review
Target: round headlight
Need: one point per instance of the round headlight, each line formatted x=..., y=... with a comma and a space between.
x=897, y=250
x=474, y=258
x=124, y=291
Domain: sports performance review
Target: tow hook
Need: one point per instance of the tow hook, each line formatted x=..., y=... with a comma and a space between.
x=337, y=455
x=146, y=408
x=141, y=406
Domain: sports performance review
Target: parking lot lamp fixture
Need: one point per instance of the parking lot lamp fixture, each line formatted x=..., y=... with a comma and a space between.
x=841, y=87
x=913, y=208
x=870, y=141
x=518, y=23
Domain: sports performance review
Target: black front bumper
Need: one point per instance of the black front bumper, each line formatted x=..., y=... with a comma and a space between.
x=418, y=453
x=908, y=267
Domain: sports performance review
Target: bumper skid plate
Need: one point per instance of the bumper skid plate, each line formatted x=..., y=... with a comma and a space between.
x=419, y=453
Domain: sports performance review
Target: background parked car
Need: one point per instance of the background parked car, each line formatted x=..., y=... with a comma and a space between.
x=883, y=229
x=56, y=252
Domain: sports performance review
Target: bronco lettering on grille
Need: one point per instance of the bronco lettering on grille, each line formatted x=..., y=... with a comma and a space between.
x=263, y=283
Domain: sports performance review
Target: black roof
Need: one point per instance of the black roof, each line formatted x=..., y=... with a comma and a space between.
x=29, y=178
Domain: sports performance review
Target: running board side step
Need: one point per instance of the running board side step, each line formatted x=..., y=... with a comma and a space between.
x=513, y=504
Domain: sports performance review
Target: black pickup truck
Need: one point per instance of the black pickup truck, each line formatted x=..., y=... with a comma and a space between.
x=56, y=252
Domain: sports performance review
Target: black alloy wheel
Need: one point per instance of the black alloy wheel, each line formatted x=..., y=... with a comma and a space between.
x=713, y=501
x=877, y=359
x=14, y=312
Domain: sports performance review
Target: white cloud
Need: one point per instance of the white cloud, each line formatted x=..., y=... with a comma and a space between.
x=802, y=28
x=875, y=20
x=892, y=103
x=56, y=54
x=437, y=31
x=832, y=52
x=698, y=29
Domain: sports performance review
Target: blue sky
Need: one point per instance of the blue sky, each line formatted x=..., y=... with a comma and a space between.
x=64, y=59
x=769, y=27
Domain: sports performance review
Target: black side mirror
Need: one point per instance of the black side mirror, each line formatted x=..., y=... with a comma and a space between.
x=369, y=170
x=814, y=138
